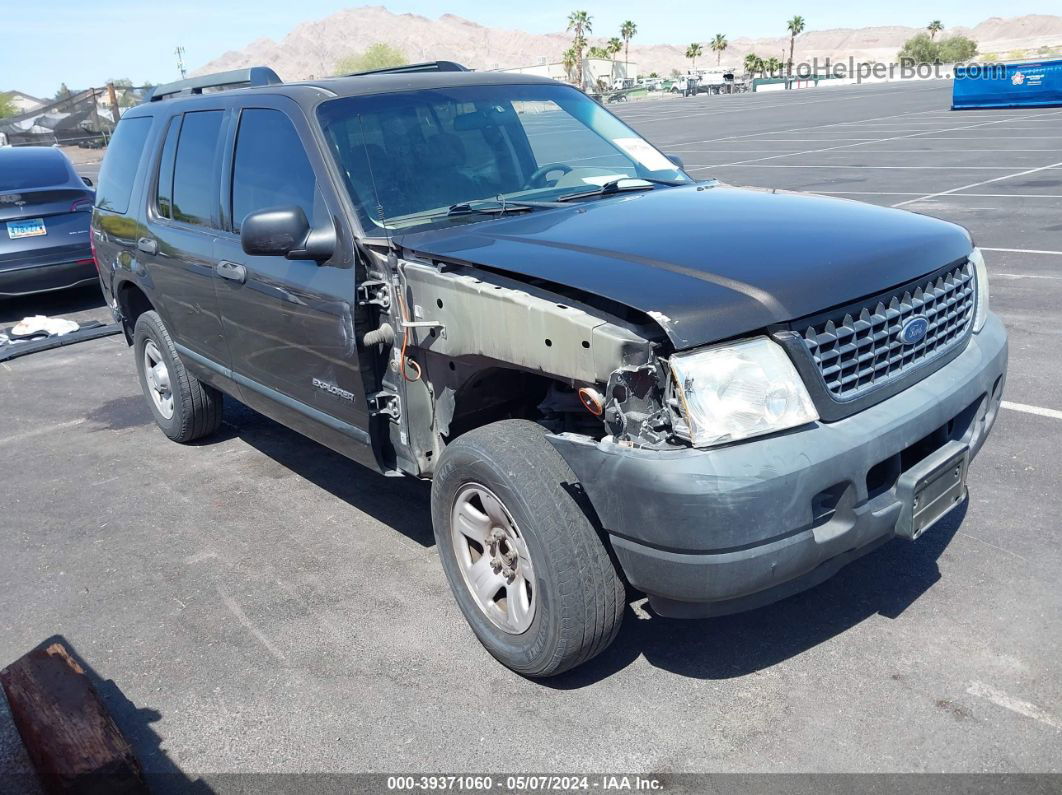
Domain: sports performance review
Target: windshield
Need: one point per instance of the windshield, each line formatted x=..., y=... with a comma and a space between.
x=408, y=157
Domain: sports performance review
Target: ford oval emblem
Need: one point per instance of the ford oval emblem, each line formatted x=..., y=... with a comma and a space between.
x=914, y=330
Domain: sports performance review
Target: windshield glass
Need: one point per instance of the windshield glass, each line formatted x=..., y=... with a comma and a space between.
x=407, y=157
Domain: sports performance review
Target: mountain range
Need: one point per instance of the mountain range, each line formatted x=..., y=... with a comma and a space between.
x=312, y=48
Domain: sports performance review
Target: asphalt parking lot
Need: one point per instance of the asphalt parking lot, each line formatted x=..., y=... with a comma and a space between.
x=261, y=604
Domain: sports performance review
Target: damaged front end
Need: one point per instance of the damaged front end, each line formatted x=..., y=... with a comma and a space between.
x=458, y=346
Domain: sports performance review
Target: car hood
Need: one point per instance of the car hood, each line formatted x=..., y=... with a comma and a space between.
x=709, y=262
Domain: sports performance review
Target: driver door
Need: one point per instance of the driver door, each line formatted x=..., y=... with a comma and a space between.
x=289, y=323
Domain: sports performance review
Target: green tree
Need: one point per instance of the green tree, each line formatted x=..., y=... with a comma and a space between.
x=693, y=52
x=614, y=47
x=7, y=106
x=63, y=92
x=627, y=32
x=597, y=52
x=378, y=56
x=957, y=49
x=795, y=26
x=753, y=64
x=717, y=45
x=773, y=67
x=934, y=28
x=921, y=49
x=579, y=24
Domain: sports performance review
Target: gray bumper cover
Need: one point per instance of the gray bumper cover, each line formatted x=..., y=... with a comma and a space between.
x=709, y=532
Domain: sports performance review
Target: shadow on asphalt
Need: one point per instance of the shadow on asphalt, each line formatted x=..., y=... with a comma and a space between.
x=135, y=723
x=60, y=303
x=885, y=582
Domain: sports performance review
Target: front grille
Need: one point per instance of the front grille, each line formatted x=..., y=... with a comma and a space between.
x=858, y=348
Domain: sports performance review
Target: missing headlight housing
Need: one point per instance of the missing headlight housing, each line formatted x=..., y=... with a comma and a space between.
x=739, y=390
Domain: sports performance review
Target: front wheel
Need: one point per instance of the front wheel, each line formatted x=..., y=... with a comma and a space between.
x=527, y=567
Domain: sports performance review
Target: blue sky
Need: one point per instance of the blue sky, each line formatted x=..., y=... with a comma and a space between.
x=85, y=43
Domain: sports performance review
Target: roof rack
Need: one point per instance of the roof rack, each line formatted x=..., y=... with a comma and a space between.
x=237, y=78
x=427, y=66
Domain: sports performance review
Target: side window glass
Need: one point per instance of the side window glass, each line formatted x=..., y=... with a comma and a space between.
x=270, y=168
x=120, y=165
x=195, y=193
x=164, y=192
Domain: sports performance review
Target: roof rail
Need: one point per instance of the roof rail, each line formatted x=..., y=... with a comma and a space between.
x=237, y=78
x=427, y=66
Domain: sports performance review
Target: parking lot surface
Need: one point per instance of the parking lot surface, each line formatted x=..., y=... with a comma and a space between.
x=262, y=604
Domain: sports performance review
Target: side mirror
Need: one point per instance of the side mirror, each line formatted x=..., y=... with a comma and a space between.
x=87, y=181
x=676, y=160
x=285, y=232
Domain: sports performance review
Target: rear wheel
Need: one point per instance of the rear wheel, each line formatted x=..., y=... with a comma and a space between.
x=184, y=407
x=527, y=567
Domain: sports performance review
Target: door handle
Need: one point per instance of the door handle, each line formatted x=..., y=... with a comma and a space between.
x=232, y=271
x=148, y=245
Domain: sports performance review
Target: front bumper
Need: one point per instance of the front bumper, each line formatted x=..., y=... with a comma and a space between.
x=710, y=532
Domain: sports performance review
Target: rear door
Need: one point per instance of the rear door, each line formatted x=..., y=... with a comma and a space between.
x=183, y=219
x=290, y=323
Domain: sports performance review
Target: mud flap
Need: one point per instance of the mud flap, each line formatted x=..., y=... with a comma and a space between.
x=931, y=488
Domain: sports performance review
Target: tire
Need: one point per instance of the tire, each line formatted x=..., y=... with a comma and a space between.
x=576, y=596
x=194, y=407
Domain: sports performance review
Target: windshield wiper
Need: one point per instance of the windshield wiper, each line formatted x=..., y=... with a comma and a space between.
x=498, y=206
x=615, y=186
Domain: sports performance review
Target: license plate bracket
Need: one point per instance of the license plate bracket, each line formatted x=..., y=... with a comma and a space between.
x=26, y=227
x=931, y=488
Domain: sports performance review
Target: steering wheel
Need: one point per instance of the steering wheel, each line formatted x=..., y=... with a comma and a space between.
x=538, y=180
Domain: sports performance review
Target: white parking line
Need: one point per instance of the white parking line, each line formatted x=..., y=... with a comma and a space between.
x=1019, y=250
x=978, y=184
x=955, y=195
x=909, y=135
x=827, y=166
x=1023, y=708
x=1037, y=410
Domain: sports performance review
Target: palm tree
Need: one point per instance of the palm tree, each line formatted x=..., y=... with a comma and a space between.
x=795, y=26
x=579, y=23
x=753, y=63
x=718, y=44
x=613, y=49
x=597, y=52
x=627, y=31
x=569, y=59
x=693, y=52
x=934, y=28
x=772, y=66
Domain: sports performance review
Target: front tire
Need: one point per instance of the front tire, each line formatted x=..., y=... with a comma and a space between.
x=184, y=407
x=527, y=567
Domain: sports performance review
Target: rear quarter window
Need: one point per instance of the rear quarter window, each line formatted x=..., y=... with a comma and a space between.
x=120, y=164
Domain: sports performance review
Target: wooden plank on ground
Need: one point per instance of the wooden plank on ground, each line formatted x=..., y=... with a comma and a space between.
x=71, y=740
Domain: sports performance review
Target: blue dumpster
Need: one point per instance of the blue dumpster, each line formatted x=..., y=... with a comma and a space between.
x=1011, y=85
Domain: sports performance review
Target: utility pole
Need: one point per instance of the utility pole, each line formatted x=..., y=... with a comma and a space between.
x=179, y=52
x=112, y=97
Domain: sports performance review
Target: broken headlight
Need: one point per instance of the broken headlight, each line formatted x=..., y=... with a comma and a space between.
x=739, y=390
x=981, y=278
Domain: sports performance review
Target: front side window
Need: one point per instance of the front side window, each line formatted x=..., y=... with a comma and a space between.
x=195, y=192
x=409, y=156
x=270, y=167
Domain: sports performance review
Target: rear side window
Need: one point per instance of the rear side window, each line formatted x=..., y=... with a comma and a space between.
x=164, y=183
x=270, y=168
x=120, y=164
x=195, y=194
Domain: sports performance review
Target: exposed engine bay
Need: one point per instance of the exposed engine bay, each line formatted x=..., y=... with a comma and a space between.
x=459, y=346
